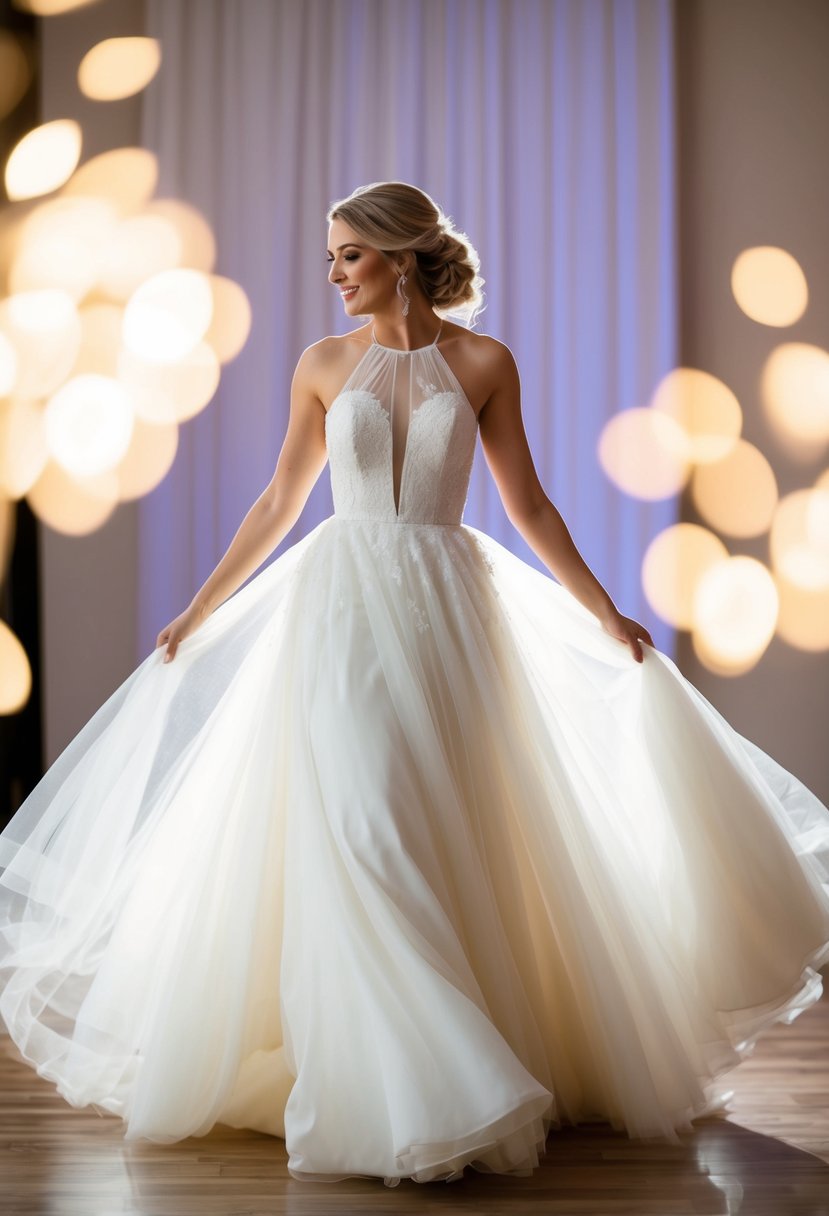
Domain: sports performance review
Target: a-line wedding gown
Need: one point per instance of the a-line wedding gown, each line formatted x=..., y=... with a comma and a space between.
x=403, y=857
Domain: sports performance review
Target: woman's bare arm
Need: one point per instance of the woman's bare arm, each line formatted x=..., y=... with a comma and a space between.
x=276, y=510
x=528, y=508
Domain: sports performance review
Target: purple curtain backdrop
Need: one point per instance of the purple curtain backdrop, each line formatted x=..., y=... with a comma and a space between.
x=544, y=128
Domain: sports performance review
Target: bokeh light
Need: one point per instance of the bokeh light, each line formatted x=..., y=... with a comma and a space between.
x=118, y=67
x=198, y=244
x=15, y=672
x=738, y=494
x=52, y=8
x=15, y=71
x=127, y=177
x=43, y=159
x=8, y=528
x=44, y=329
x=62, y=244
x=705, y=408
x=170, y=392
x=735, y=611
x=23, y=450
x=8, y=365
x=674, y=562
x=135, y=248
x=769, y=285
x=88, y=424
x=804, y=615
x=232, y=317
x=798, y=540
x=168, y=315
x=641, y=451
x=70, y=505
x=794, y=386
x=100, y=341
x=148, y=458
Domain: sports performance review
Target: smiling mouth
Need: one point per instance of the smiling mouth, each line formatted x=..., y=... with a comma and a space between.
x=346, y=295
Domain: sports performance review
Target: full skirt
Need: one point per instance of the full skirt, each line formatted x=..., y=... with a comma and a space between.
x=405, y=860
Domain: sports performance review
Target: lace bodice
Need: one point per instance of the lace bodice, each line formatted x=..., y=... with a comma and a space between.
x=401, y=438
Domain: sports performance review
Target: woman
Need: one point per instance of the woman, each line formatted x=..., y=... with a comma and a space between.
x=406, y=852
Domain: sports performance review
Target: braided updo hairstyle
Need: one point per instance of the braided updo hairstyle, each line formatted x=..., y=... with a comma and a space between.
x=394, y=216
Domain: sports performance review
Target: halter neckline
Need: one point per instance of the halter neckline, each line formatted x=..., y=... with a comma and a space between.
x=396, y=351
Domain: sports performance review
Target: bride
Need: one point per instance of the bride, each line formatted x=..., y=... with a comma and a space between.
x=405, y=851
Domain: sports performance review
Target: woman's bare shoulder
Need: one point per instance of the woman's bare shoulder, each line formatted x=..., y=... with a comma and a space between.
x=330, y=346
x=478, y=360
x=328, y=361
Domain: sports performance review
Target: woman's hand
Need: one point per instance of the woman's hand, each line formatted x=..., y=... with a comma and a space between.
x=185, y=624
x=628, y=631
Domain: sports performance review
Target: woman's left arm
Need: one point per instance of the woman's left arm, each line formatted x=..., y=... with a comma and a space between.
x=531, y=512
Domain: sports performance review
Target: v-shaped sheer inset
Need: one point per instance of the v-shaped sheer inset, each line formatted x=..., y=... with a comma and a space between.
x=400, y=406
x=401, y=437
x=402, y=396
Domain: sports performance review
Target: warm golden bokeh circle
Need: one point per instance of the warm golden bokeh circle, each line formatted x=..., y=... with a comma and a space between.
x=769, y=285
x=706, y=410
x=738, y=494
x=672, y=567
x=735, y=611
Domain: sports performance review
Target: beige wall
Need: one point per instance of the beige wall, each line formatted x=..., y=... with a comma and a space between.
x=753, y=120
x=88, y=583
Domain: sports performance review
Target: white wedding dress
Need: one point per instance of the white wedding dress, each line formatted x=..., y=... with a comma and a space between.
x=402, y=857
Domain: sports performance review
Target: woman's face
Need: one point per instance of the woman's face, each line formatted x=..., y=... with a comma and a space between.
x=356, y=265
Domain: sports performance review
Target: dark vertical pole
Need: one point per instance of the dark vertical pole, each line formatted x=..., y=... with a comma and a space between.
x=21, y=733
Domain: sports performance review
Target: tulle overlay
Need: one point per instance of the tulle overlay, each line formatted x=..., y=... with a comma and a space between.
x=406, y=860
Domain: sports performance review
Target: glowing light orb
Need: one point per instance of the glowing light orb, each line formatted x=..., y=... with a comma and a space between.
x=89, y=424
x=45, y=330
x=43, y=159
x=126, y=177
x=137, y=247
x=232, y=316
x=794, y=386
x=170, y=392
x=118, y=67
x=72, y=506
x=738, y=494
x=641, y=450
x=23, y=450
x=803, y=622
x=798, y=541
x=168, y=315
x=705, y=408
x=8, y=365
x=735, y=613
x=61, y=245
x=673, y=565
x=148, y=459
x=769, y=285
x=15, y=70
x=15, y=672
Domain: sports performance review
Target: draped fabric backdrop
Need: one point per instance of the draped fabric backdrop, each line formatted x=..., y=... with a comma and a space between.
x=545, y=130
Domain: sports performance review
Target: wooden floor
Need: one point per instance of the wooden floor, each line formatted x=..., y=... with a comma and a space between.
x=769, y=1156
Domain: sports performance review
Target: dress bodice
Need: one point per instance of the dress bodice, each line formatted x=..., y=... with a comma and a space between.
x=401, y=438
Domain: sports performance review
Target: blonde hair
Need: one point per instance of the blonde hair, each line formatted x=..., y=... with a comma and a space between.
x=394, y=216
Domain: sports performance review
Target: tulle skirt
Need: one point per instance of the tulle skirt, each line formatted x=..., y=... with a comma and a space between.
x=405, y=860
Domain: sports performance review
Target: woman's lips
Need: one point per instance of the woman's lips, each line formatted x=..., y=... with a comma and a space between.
x=346, y=295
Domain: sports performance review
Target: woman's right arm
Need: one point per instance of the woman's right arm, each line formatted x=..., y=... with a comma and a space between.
x=276, y=510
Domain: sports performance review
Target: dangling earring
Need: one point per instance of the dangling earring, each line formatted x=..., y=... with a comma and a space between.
x=403, y=295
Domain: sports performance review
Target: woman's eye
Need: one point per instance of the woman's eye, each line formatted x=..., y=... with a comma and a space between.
x=349, y=257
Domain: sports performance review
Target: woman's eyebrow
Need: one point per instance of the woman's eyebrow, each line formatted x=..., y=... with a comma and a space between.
x=345, y=246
